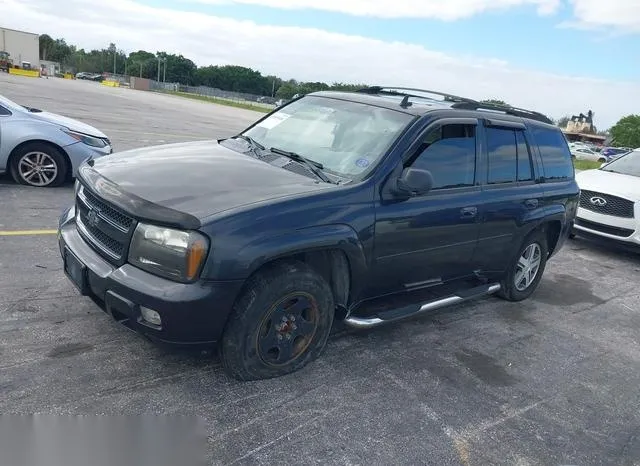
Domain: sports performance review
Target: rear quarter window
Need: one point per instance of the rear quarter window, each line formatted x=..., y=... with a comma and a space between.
x=554, y=150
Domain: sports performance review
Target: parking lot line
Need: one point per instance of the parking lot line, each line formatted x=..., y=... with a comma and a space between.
x=27, y=232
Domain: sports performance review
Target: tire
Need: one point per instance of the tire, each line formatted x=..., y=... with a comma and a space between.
x=52, y=163
x=258, y=336
x=514, y=292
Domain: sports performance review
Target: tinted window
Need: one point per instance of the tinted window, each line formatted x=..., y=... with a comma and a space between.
x=556, y=158
x=4, y=111
x=525, y=172
x=503, y=155
x=450, y=156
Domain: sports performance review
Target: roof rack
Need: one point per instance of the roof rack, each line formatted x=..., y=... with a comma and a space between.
x=515, y=111
x=399, y=91
x=462, y=103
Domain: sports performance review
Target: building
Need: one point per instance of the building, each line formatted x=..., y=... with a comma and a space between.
x=581, y=123
x=581, y=128
x=23, y=48
x=49, y=68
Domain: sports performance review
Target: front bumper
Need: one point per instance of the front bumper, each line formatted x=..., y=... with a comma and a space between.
x=620, y=230
x=194, y=313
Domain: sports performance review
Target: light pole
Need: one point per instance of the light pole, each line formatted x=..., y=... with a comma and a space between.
x=115, y=53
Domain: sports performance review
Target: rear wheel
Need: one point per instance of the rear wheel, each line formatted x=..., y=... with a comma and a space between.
x=279, y=324
x=525, y=271
x=39, y=164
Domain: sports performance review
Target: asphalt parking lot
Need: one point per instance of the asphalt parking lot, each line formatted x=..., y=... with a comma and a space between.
x=550, y=381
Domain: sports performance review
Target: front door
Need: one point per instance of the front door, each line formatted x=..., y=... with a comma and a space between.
x=424, y=239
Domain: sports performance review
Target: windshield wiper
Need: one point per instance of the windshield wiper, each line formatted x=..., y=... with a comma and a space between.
x=251, y=141
x=315, y=167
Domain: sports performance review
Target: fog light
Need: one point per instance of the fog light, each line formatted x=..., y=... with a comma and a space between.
x=150, y=316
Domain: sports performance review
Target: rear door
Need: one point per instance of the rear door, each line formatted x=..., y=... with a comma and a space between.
x=512, y=193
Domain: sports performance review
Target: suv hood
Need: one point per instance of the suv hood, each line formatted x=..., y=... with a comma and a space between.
x=70, y=123
x=616, y=184
x=189, y=181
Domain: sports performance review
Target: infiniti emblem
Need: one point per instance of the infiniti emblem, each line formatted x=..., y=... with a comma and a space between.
x=92, y=218
x=598, y=201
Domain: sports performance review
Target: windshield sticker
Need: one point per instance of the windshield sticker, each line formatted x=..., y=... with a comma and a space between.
x=274, y=120
x=362, y=163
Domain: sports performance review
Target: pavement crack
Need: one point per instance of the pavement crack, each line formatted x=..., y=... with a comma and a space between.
x=283, y=436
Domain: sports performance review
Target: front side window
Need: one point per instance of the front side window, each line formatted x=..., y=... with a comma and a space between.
x=449, y=153
x=347, y=138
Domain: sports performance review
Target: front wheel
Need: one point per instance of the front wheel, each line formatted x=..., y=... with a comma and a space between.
x=525, y=272
x=39, y=164
x=280, y=323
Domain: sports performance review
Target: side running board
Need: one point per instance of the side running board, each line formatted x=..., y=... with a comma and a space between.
x=393, y=315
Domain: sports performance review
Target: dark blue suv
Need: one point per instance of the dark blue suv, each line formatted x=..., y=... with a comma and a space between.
x=365, y=207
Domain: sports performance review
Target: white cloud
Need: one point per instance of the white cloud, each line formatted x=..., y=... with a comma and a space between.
x=447, y=10
x=313, y=54
x=594, y=14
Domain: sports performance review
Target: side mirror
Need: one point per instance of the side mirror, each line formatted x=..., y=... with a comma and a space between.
x=414, y=182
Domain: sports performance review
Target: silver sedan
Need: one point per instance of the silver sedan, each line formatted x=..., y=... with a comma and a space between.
x=43, y=149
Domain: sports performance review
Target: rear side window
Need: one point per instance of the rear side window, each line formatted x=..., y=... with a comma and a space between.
x=525, y=170
x=4, y=111
x=509, y=157
x=556, y=158
x=503, y=155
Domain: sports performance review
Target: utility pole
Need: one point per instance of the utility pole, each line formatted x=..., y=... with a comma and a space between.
x=159, y=59
x=164, y=76
x=115, y=52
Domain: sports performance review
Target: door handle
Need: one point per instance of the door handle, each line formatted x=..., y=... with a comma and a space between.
x=531, y=203
x=468, y=212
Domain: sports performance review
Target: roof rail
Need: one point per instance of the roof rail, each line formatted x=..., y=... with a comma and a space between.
x=515, y=111
x=400, y=91
x=462, y=103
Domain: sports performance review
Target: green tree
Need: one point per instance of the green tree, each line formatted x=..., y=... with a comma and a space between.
x=626, y=132
x=142, y=64
x=563, y=121
x=46, y=46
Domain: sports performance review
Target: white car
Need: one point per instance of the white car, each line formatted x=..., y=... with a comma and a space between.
x=610, y=200
x=580, y=152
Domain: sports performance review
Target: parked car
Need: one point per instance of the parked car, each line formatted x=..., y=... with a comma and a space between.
x=610, y=201
x=580, y=152
x=613, y=152
x=367, y=207
x=43, y=149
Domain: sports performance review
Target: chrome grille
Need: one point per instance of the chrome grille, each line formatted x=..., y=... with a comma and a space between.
x=613, y=205
x=105, y=228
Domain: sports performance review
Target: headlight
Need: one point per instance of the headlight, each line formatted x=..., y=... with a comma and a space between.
x=173, y=254
x=86, y=139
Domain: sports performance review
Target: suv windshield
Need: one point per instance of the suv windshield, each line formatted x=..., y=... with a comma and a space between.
x=346, y=138
x=628, y=164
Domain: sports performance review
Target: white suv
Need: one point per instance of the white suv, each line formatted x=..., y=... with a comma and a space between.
x=610, y=200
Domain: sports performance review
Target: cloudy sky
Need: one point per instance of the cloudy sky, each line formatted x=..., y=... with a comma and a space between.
x=556, y=56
